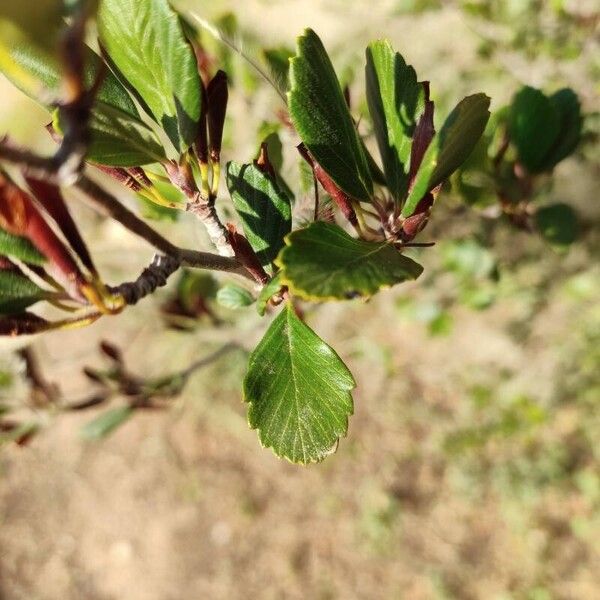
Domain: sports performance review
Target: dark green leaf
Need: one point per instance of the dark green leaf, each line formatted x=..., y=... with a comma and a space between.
x=568, y=107
x=321, y=117
x=450, y=147
x=395, y=101
x=323, y=262
x=534, y=126
x=234, y=297
x=267, y=293
x=558, y=224
x=145, y=41
x=106, y=423
x=20, y=248
x=119, y=139
x=17, y=292
x=299, y=391
x=263, y=208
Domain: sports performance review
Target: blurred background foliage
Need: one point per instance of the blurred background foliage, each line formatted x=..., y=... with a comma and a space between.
x=471, y=469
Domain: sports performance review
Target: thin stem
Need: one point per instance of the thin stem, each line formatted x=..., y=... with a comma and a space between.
x=113, y=208
x=203, y=362
x=44, y=168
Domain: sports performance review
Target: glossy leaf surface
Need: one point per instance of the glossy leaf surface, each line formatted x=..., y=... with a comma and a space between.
x=299, y=391
x=323, y=262
x=264, y=209
x=145, y=40
x=321, y=117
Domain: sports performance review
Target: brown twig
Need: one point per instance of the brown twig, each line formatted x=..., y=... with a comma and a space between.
x=43, y=168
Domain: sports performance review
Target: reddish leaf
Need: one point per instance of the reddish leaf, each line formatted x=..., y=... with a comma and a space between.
x=52, y=200
x=23, y=324
x=27, y=323
x=19, y=216
x=217, y=95
x=423, y=134
x=337, y=194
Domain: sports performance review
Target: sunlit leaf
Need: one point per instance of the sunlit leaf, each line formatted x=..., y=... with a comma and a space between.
x=321, y=117
x=31, y=24
x=299, y=391
x=323, y=262
x=20, y=248
x=43, y=78
x=450, y=147
x=395, y=101
x=145, y=40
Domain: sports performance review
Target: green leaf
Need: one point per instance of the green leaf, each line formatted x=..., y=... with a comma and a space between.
x=119, y=139
x=568, y=107
x=17, y=292
x=264, y=209
x=194, y=287
x=321, y=117
x=278, y=60
x=299, y=391
x=534, y=126
x=106, y=423
x=558, y=224
x=118, y=136
x=20, y=248
x=450, y=148
x=33, y=24
x=156, y=212
x=395, y=100
x=268, y=291
x=323, y=262
x=146, y=42
x=36, y=74
x=234, y=297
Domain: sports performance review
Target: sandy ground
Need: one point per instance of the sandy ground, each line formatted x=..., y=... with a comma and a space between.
x=186, y=504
